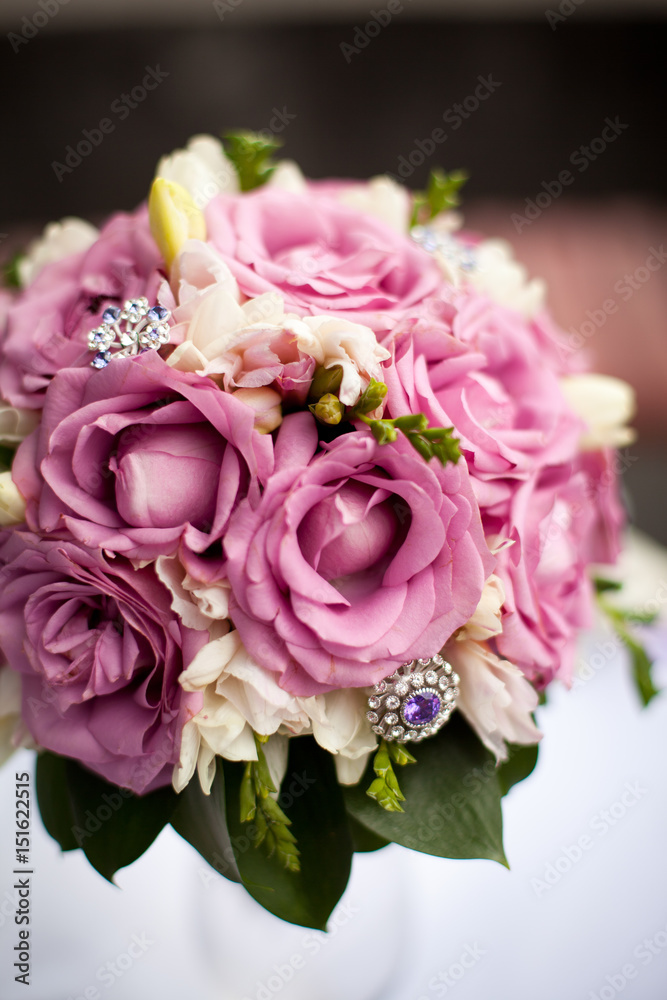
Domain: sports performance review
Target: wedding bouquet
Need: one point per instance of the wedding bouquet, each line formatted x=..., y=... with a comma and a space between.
x=306, y=492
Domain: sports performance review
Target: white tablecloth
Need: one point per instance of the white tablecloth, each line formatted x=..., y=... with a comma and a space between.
x=581, y=914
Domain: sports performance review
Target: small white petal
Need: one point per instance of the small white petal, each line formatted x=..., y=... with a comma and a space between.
x=605, y=404
x=202, y=169
x=12, y=504
x=382, y=198
x=59, y=240
x=16, y=424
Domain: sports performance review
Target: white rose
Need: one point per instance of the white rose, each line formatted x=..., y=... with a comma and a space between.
x=504, y=280
x=59, y=240
x=202, y=169
x=16, y=424
x=605, y=404
x=12, y=504
x=383, y=198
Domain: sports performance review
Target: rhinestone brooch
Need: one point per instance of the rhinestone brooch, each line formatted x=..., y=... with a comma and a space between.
x=415, y=701
x=135, y=328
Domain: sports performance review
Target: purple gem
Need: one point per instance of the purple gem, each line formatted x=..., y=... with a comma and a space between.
x=421, y=708
x=101, y=359
x=157, y=314
x=111, y=314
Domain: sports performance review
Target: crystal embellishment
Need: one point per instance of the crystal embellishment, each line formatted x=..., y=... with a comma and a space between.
x=415, y=701
x=127, y=331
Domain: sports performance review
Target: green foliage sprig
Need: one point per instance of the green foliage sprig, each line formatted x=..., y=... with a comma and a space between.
x=252, y=156
x=385, y=788
x=271, y=823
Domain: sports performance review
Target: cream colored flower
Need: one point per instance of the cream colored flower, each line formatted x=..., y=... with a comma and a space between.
x=12, y=504
x=15, y=423
x=198, y=605
x=174, y=218
x=504, y=280
x=495, y=697
x=10, y=712
x=383, y=198
x=605, y=404
x=288, y=177
x=59, y=240
x=242, y=698
x=202, y=169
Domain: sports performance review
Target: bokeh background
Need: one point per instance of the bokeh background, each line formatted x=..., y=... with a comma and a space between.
x=357, y=89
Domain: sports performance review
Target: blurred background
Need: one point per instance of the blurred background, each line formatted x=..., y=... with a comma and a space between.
x=521, y=94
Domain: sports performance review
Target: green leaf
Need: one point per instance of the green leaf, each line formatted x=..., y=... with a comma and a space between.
x=312, y=800
x=6, y=458
x=641, y=669
x=363, y=839
x=11, y=271
x=452, y=799
x=520, y=763
x=53, y=799
x=442, y=194
x=251, y=155
x=642, y=665
x=112, y=825
x=602, y=585
x=200, y=819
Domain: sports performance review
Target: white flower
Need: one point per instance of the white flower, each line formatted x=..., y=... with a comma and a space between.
x=10, y=712
x=605, y=404
x=504, y=280
x=288, y=177
x=202, y=169
x=495, y=697
x=59, y=240
x=12, y=504
x=383, y=198
x=15, y=423
x=339, y=342
x=485, y=622
x=197, y=604
x=215, y=327
x=240, y=698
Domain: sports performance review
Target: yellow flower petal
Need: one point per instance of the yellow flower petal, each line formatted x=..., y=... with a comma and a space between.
x=174, y=217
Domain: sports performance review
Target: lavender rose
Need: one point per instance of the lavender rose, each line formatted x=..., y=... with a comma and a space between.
x=47, y=326
x=139, y=458
x=100, y=653
x=355, y=560
x=322, y=257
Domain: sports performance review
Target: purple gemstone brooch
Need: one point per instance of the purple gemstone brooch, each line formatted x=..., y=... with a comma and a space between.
x=415, y=701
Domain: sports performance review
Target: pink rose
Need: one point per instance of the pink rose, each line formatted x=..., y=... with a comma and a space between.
x=491, y=374
x=355, y=560
x=548, y=591
x=100, y=653
x=138, y=457
x=320, y=255
x=48, y=324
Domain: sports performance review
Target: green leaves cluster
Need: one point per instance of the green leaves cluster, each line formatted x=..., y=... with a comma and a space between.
x=429, y=442
x=452, y=799
x=271, y=824
x=442, y=193
x=622, y=621
x=385, y=789
x=252, y=156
